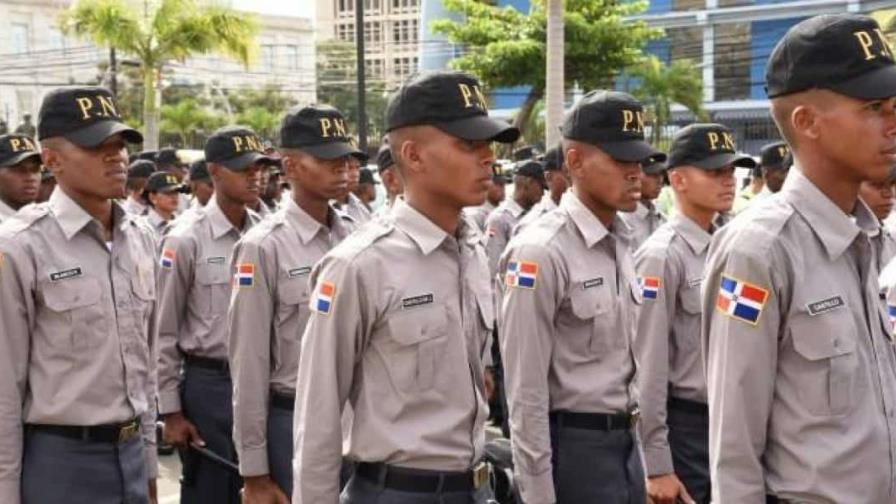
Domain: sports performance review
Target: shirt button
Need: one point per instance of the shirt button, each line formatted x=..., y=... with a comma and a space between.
x=836, y=343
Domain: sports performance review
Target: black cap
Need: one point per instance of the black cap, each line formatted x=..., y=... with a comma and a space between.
x=707, y=146
x=167, y=156
x=236, y=148
x=532, y=169
x=86, y=116
x=141, y=168
x=319, y=130
x=845, y=53
x=772, y=155
x=553, y=159
x=653, y=166
x=384, y=159
x=149, y=155
x=162, y=181
x=524, y=153
x=614, y=122
x=365, y=176
x=452, y=102
x=17, y=148
x=199, y=171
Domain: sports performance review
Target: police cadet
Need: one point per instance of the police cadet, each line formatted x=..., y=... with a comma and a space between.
x=568, y=304
x=194, y=290
x=201, y=186
x=496, y=193
x=47, y=185
x=674, y=425
x=161, y=197
x=391, y=179
x=647, y=218
x=19, y=174
x=77, y=336
x=799, y=362
x=528, y=189
x=138, y=173
x=348, y=202
x=878, y=195
x=773, y=159
x=401, y=312
x=273, y=263
x=557, y=183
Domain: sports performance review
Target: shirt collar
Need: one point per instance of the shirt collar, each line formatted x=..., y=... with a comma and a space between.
x=696, y=237
x=835, y=229
x=306, y=226
x=547, y=202
x=423, y=231
x=592, y=229
x=220, y=224
x=513, y=207
x=70, y=216
x=6, y=211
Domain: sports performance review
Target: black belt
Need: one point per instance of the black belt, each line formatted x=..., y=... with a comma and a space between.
x=283, y=401
x=421, y=481
x=594, y=421
x=117, y=433
x=688, y=406
x=771, y=499
x=207, y=363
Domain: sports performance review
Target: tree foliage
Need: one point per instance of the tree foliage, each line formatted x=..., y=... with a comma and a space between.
x=660, y=85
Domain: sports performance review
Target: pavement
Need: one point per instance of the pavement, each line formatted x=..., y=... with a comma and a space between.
x=169, y=476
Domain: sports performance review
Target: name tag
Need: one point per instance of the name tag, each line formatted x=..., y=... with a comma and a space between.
x=594, y=282
x=412, y=302
x=825, y=305
x=296, y=272
x=216, y=260
x=695, y=282
x=66, y=274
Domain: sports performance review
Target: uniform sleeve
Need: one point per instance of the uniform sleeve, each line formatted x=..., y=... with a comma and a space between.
x=16, y=322
x=526, y=334
x=174, y=284
x=498, y=234
x=652, y=352
x=250, y=321
x=331, y=348
x=740, y=361
x=148, y=420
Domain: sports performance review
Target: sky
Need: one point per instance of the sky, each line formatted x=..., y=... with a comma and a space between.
x=302, y=8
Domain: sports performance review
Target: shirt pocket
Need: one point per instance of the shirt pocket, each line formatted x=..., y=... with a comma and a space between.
x=417, y=339
x=690, y=300
x=292, y=306
x=212, y=289
x=143, y=289
x=76, y=319
x=827, y=361
x=591, y=310
x=486, y=309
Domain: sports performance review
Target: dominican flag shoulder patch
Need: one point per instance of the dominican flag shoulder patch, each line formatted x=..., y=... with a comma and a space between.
x=245, y=275
x=741, y=300
x=891, y=312
x=167, y=259
x=324, y=295
x=522, y=274
x=650, y=286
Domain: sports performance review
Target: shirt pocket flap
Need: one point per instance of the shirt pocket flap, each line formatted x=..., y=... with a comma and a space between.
x=293, y=291
x=586, y=303
x=822, y=336
x=73, y=293
x=212, y=274
x=690, y=299
x=418, y=326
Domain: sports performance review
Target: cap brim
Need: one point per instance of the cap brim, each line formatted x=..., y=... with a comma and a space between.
x=875, y=85
x=632, y=151
x=332, y=150
x=94, y=135
x=720, y=161
x=18, y=158
x=244, y=161
x=654, y=168
x=481, y=127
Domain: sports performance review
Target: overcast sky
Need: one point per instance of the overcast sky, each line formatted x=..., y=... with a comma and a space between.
x=303, y=8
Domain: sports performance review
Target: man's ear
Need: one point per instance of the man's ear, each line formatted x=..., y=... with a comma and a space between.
x=409, y=152
x=804, y=121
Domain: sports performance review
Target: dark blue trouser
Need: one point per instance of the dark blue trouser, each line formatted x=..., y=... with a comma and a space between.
x=593, y=466
x=280, y=447
x=206, y=397
x=61, y=470
x=364, y=491
x=689, y=443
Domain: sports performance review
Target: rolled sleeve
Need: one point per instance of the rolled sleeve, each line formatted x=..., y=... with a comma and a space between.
x=174, y=284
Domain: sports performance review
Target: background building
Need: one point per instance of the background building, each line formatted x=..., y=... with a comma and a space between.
x=35, y=57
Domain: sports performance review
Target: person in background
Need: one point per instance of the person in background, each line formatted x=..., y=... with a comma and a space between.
x=349, y=203
x=201, y=186
x=528, y=189
x=161, y=198
x=557, y=182
x=755, y=186
x=20, y=173
x=366, y=190
x=493, y=198
x=138, y=173
x=646, y=218
x=392, y=181
x=879, y=196
x=47, y=185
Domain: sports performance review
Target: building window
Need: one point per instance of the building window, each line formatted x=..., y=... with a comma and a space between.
x=404, y=31
x=405, y=5
x=372, y=6
x=404, y=66
x=291, y=53
x=345, y=32
x=373, y=32
x=21, y=36
x=374, y=69
x=267, y=57
x=345, y=7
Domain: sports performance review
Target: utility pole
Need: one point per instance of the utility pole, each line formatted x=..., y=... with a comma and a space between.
x=362, y=98
x=113, y=73
x=554, y=77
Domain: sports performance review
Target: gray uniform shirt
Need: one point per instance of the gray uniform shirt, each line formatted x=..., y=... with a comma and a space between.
x=194, y=293
x=273, y=262
x=77, y=334
x=133, y=206
x=480, y=214
x=355, y=209
x=5, y=211
x=568, y=308
x=499, y=227
x=643, y=222
x=799, y=362
x=401, y=312
x=670, y=270
x=542, y=207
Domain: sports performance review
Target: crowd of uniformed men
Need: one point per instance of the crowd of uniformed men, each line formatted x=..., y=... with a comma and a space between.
x=297, y=346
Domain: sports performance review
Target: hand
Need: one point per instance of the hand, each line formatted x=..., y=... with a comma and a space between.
x=180, y=432
x=667, y=489
x=153, y=491
x=489, y=379
x=262, y=490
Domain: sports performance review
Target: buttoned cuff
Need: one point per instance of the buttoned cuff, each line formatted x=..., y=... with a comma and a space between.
x=537, y=488
x=152, y=460
x=254, y=461
x=658, y=461
x=10, y=491
x=169, y=402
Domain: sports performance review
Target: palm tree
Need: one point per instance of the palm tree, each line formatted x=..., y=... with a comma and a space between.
x=170, y=30
x=184, y=118
x=661, y=85
x=554, y=77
